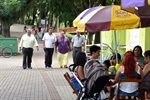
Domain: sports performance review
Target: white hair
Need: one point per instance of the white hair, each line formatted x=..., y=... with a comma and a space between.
x=29, y=30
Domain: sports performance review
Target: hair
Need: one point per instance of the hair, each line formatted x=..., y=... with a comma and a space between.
x=80, y=59
x=139, y=48
x=147, y=53
x=129, y=64
x=94, y=48
x=50, y=28
x=118, y=55
x=29, y=30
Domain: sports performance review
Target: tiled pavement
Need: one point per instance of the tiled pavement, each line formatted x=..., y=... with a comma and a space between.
x=38, y=83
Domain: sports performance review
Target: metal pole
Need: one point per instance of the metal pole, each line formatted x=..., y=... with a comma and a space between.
x=116, y=49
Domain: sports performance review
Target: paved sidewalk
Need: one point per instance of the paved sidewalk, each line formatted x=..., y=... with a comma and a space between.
x=38, y=83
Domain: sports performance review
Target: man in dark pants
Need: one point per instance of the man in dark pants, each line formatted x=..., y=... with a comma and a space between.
x=77, y=42
x=26, y=43
x=49, y=40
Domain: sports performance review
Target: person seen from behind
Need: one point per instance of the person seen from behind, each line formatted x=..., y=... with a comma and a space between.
x=27, y=42
x=42, y=31
x=63, y=48
x=128, y=69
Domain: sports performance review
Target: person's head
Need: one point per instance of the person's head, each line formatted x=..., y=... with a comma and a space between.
x=137, y=51
x=129, y=64
x=114, y=58
x=77, y=33
x=147, y=56
x=62, y=33
x=95, y=51
x=29, y=31
x=80, y=58
x=50, y=31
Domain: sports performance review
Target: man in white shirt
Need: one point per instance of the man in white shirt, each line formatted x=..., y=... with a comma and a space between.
x=49, y=40
x=77, y=42
x=26, y=45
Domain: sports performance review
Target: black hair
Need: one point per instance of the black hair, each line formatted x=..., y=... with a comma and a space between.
x=80, y=59
x=94, y=48
x=118, y=55
x=147, y=53
x=139, y=48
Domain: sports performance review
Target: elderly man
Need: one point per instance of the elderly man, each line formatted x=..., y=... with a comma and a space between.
x=77, y=42
x=63, y=45
x=26, y=44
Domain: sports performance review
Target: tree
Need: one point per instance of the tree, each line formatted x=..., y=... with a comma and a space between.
x=11, y=11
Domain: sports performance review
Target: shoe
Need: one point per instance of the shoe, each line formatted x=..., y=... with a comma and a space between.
x=65, y=66
x=24, y=67
x=50, y=67
x=30, y=67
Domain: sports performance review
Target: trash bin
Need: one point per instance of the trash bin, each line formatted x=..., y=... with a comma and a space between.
x=11, y=42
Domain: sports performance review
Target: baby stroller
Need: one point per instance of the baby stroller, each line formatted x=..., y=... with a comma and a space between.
x=96, y=78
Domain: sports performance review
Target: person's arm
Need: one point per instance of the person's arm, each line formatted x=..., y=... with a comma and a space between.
x=84, y=44
x=36, y=44
x=21, y=43
x=80, y=72
x=145, y=70
x=68, y=42
x=118, y=73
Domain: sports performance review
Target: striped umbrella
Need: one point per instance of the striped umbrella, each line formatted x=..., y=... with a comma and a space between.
x=84, y=13
x=108, y=18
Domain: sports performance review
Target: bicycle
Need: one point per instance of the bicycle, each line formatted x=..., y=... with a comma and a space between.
x=6, y=52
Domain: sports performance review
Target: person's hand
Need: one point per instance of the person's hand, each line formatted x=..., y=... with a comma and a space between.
x=19, y=48
x=141, y=65
x=54, y=42
x=55, y=50
x=44, y=48
x=37, y=48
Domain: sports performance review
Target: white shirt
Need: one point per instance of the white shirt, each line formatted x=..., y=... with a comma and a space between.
x=49, y=39
x=28, y=41
x=77, y=41
x=42, y=30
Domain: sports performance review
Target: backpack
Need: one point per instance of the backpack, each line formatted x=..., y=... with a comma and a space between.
x=96, y=76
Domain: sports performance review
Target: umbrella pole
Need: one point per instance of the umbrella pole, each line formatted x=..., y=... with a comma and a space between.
x=116, y=49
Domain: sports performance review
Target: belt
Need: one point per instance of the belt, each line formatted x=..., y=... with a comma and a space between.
x=77, y=47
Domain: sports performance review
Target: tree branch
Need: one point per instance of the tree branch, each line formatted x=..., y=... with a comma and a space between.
x=73, y=7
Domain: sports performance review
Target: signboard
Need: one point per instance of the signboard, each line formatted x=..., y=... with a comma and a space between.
x=134, y=38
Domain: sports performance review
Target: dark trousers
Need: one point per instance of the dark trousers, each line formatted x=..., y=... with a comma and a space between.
x=48, y=56
x=27, y=56
x=75, y=50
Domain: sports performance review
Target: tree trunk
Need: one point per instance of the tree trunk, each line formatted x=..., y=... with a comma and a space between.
x=5, y=29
